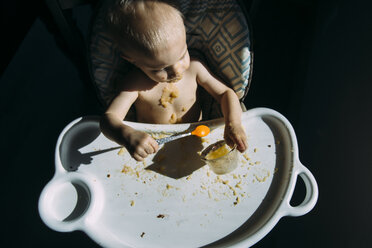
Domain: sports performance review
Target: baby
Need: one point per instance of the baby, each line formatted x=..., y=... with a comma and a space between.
x=163, y=86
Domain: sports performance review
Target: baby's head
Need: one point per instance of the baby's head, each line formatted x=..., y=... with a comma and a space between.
x=151, y=35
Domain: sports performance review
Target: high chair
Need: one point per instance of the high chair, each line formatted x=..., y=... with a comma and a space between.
x=172, y=199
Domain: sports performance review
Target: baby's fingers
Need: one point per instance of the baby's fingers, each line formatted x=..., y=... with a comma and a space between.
x=240, y=140
x=242, y=145
x=140, y=153
x=145, y=149
x=229, y=141
x=154, y=145
x=138, y=157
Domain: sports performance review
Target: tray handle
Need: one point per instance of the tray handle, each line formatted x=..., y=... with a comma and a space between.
x=70, y=201
x=311, y=196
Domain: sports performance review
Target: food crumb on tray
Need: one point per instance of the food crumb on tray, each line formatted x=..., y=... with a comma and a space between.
x=121, y=151
x=231, y=188
x=237, y=201
x=260, y=178
x=238, y=185
x=245, y=155
x=169, y=186
x=126, y=169
x=160, y=216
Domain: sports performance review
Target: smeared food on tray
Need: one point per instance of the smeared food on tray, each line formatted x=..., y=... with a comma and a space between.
x=233, y=187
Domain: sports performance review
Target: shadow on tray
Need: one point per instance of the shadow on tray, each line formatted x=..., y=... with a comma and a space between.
x=78, y=136
x=178, y=158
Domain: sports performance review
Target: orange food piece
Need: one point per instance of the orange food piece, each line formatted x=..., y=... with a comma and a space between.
x=201, y=131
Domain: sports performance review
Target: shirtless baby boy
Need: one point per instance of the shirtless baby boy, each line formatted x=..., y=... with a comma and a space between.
x=151, y=35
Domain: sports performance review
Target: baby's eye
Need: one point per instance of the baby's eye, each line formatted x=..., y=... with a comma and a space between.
x=158, y=70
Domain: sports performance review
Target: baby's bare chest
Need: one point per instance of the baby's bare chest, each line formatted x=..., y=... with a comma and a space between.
x=164, y=94
x=167, y=102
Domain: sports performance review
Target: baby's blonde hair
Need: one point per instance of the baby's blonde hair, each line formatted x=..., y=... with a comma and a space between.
x=143, y=25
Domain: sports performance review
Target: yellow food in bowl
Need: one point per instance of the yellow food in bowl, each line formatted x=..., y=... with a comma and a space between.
x=218, y=153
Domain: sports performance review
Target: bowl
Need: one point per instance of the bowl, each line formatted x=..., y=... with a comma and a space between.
x=220, y=157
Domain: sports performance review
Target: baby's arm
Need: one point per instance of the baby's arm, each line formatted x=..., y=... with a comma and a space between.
x=138, y=143
x=231, y=109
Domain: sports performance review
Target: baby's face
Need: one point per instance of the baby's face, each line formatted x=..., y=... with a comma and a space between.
x=168, y=63
x=169, y=72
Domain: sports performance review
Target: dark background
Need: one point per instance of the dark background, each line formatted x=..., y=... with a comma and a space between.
x=313, y=64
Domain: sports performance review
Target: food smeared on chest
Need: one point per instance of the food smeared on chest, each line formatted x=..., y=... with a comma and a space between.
x=170, y=92
x=174, y=119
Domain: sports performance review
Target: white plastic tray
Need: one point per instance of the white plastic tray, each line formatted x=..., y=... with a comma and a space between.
x=173, y=199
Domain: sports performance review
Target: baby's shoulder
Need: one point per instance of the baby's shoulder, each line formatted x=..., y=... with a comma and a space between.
x=196, y=62
x=133, y=80
x=197, y=65
x=199, y=68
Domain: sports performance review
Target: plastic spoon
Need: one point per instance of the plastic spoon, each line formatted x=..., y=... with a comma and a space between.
x=200, y=131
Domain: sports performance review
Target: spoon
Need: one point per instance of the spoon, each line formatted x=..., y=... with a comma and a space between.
x=200, y=131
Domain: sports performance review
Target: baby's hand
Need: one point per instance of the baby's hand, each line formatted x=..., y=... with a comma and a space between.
x=140, y=145
x=235, y=134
